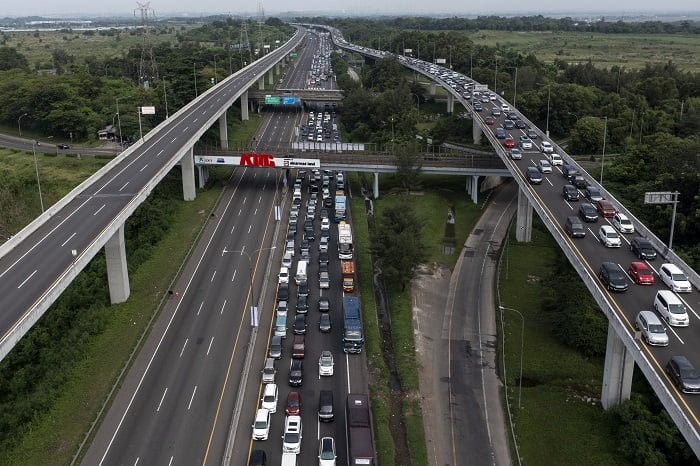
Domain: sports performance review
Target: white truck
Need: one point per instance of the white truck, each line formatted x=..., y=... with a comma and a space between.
x=344, y=241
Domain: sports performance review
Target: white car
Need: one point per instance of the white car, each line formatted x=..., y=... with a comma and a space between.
x=555, y=159
x=505, y=108
x=261, y=426
x=287, y=260
x=283, y=275
x=516, y=154
x=622, y=223
x=546, y=147
x=325, y=363
x=326, y=452
x=325, y=224
x=545, y=166
x=609, y=237
x=674, y=278
x=291, y=440
x=269, y=398
x=526, y=143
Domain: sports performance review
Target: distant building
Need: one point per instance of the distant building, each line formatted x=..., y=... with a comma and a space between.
x=106, y=134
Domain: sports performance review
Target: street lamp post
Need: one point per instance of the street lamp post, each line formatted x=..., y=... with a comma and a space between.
x=549, y=95
x=38, y=181
x=522, y=347
x=602, y=162
x=165, y=96
x=19, y=123
x=119, y=120
x=417, y=100
x=254, y=318
x=515, y=86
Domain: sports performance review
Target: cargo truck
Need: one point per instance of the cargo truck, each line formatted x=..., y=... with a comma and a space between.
x=347, y=269
x=359, y=430
x=344, y=241
x=340, y=207
x=353, y=337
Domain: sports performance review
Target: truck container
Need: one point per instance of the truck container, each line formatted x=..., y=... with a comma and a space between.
x=344, y=241
x=353, y=337
x=359, y=430
x=340, y=208
x=347, y=269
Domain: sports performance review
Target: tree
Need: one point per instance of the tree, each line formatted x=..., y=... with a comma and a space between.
x=408, y=166
x=10, y=58
x=398, y=242
x=587, y=136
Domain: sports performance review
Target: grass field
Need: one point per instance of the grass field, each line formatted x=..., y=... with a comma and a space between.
x=632, y=51
x=561, y=388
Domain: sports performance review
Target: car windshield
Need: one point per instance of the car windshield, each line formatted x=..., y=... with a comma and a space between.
x=260, y=424
x=690, y=374
x=327, y=452
x=616, y=275
x=656, y=328
x=676, y=308
x=611, y=234
x=644, y=272
x=679, y=277
x=291, y=437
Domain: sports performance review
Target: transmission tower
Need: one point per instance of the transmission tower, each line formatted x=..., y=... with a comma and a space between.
x=148, y=70
x=244, y=44
x=261, y=20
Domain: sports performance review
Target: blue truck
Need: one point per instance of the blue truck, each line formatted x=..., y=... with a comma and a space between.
x=353, y=336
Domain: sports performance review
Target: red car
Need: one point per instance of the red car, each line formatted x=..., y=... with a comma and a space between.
x=606, y=209
x=490, y=120
x=293, y=407
x=510, y=142
x=641, y=273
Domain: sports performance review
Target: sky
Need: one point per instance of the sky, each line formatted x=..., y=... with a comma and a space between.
x=359, y=7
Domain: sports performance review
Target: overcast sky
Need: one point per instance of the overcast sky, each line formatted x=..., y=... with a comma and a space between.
x=359, y=7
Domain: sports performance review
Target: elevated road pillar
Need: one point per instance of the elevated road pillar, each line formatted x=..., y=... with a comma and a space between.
x=117, y=271
x=277, y=68
x=187, y=164
x=476, y=132
x=474, y=189
x=203, y=175
x=432, y=88
x=244, y=106
x=271, y=77
x=617, y=374
x=261, y=83
x=523, y=232
x=223, y=131
x=450, y=103
x=375, y=185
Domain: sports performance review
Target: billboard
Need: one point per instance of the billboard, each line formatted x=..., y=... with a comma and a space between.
x=249, y=159
x=148, y=110
x=407, y=50
x=440, y=61
x=290, y=100
x=272, y=100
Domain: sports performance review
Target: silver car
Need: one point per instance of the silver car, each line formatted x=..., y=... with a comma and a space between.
x=651, y=328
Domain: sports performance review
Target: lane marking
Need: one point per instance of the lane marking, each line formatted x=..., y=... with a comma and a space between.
x=212, y=276
x=223, y=306
x=161, y=400
x=184, y=346
x=174, y=139
x=201, y=305
x=127, y=183
x=250, y=228
x=234, y=275
x=210, y=343
x=192, y=398
x=98, y=210
x=69, y=238
x=142, y=169
x=26, y=280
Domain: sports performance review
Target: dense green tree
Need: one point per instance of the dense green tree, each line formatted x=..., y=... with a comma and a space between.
x=10, y=58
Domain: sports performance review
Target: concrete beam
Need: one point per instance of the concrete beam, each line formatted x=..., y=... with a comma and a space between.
x=187, y=164
x=476, y=132
x=375, y=185
x=244, y=106
x=523, y=232
x=223, y=131
x=117, y=270
x=617, y=374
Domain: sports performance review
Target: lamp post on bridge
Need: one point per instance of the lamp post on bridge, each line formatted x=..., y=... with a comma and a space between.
x=522, y=348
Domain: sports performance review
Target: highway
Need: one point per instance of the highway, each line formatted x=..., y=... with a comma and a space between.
x=587, y=254
x=62, y=241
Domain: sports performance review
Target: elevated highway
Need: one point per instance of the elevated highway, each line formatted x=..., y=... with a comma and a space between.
x=624, y=346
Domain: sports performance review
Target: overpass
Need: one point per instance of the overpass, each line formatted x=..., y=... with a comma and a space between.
x=38, y=263
x=305, y=95
x=624, y=345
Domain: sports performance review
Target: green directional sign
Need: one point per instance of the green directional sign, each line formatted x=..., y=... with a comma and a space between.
x=293, y=55
x=272, y=100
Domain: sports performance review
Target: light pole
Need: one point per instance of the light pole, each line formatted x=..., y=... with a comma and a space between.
x=549, y=95
x=602, y=162
x=38, y=182
x=254, y=318
x=515, y=84
x=522, y=347
x=19, y=123
x=119, y=120
x=165, y=96
x=417, y=100
x=495, y=75
x=194, y=72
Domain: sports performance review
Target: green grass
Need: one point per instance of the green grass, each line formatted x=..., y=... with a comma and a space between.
x=556, y=379
x=415, y=431
x=632, y=51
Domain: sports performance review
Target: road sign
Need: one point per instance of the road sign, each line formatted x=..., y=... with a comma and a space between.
x=148, y=110
x=272, y=100
x=659, y=197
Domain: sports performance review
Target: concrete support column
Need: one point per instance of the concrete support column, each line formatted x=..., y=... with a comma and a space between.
x=450, y=103
x=432, y=88
x=375, y=185
x=468, y=187
x=271, y=77
x=187, y=164
x=277, y=68
x=474, y=191
x=523, y=232
x=244, y=106
x=261, y=83
x=617, y=374
x=476, y=132
x=223, y=131
x=117, y=271
x=203, y=175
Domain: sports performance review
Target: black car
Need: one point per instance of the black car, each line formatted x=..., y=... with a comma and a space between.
x=309, y=235
x=324, y=322
x=612, y=277
x=579, y=181
x=500, y=133
x=532, y=134
x=328, y=202
x=683, y=374
x=533, y=175
x=258, y=458
x=642, y=248
x=512, y=116
x=292, y=232
x=322, y=268
x=324, y=304
x=325, y=406
x=570, y=193
x=587, y=212
x=593, y=194
x=302, y=304
x=63, y=146
x=323, y=257
x=478, y=107
x=303, y=289
x=325, y=233
x=283, y=292
x=323, y=213
x=299, y=324
x=520, y=124
x=296, y=373
x=508, y=124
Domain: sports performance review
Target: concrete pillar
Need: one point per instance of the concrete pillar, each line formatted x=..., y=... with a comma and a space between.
x=271, y=77
x=223, y=131
x=450, y=103
x=432, y=88
x=117, y=271
x=261, y=83
x=244, y=106
x=187, y=164
x=375, y=185
x=476, y=132
x=202, y=175
x=474, y=191
x=277, y=68
x=523, y=232
x=617, y=374
x=469, y=184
